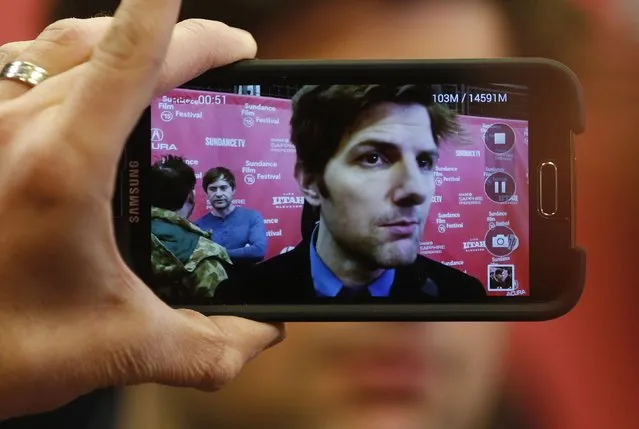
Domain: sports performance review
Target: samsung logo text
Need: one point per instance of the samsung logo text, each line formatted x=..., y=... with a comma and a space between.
x=134, y=192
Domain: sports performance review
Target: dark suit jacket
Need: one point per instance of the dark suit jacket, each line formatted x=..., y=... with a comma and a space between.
x=286, y=279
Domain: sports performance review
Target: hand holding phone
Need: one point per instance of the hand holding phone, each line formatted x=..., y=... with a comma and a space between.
x=74, y=317
x=385, y=190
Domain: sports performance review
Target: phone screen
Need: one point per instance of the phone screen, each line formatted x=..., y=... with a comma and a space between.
x=343, y=188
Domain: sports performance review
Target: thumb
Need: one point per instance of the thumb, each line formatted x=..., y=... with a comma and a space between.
x=207, y=353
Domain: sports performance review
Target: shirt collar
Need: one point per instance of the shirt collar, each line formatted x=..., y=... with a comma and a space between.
x=327, y=284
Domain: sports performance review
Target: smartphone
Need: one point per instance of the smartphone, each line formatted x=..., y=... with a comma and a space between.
x=359, y=191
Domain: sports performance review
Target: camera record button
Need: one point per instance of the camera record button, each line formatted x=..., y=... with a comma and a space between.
x=501, y=241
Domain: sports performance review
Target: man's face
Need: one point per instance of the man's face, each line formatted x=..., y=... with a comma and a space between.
x=220, y=194
x=499, y=275
x=380, y=184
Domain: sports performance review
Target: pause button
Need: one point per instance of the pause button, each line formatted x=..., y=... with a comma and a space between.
x=500, y=187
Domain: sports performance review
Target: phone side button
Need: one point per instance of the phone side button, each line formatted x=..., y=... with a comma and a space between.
x=548, y=189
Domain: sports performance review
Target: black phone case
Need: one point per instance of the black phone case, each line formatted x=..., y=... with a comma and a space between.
x=575, y=266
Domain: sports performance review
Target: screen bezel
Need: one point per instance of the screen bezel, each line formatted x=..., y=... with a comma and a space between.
x=555, y=116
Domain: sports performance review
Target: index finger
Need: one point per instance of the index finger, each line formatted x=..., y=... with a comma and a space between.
x=120, y=82
x=126, y=63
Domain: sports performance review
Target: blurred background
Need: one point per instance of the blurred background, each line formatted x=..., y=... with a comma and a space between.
x=577, y=372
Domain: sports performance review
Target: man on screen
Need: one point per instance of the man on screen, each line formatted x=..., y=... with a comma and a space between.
x=185, y=262
x=240, y=230
x=365, y=162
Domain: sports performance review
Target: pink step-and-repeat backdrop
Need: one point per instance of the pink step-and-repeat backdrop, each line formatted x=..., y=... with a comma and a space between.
x=479, y=217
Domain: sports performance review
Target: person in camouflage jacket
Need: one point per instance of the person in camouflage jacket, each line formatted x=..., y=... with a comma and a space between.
x=185, y=262
x=183, y=257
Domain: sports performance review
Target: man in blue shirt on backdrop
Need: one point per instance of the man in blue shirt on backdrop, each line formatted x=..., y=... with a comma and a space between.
x=240, y=230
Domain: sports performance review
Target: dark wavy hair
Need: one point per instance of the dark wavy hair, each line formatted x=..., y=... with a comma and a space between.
x=171, y=182
x=323, y=114
x=218, y=173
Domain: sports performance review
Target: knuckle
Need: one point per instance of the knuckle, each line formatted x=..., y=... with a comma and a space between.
x=66, y=32
x=9, y=46
x=222, y=370
x=201, y=27
x=218, y=364
x=195, y=26
x=205, y=34
x=213, y=358
x=121, y=46
x=11, y=50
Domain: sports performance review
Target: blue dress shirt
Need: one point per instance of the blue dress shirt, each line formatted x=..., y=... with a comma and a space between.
x=328, y=285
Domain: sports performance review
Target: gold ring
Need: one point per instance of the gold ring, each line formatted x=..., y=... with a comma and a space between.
x=24, y=72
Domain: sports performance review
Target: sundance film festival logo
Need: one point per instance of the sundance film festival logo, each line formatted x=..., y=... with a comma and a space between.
x=443, y=223
x=248, y=121
x=166, y=116
x=441, y=178
x=249, y=179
